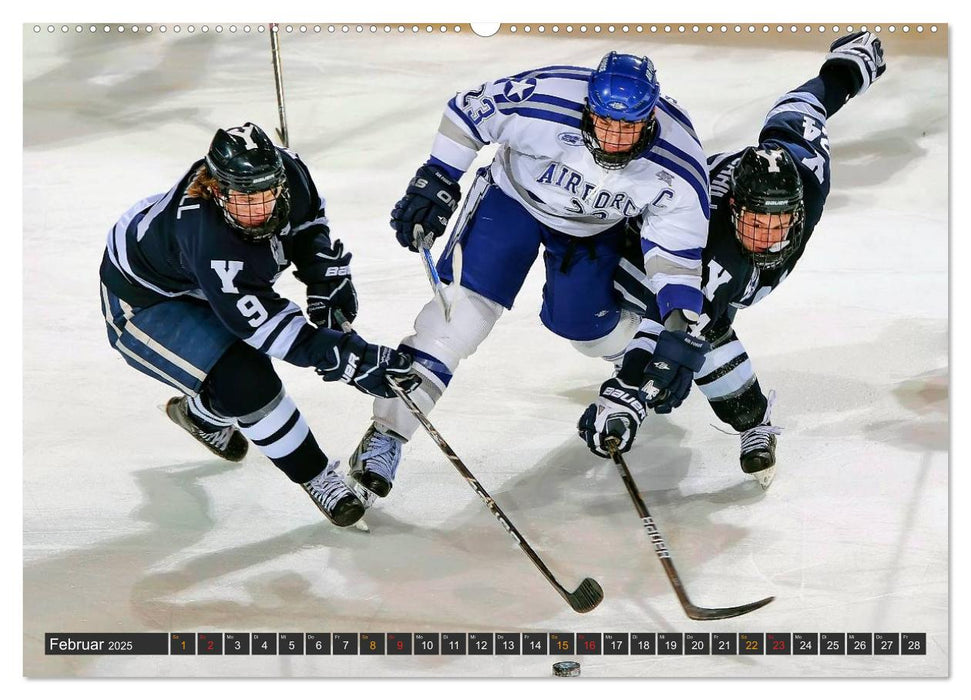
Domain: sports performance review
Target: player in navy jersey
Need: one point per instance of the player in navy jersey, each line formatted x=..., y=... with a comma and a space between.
x=187, y=294
x=765, y=203
x=580, y=151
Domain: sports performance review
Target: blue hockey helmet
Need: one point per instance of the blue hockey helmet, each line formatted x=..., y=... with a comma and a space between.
x=253, y=192
x=624, y=90
x=624, y=87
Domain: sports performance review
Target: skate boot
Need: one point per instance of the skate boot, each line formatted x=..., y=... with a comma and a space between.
x=330, y=494
x=374, y=464
x=223, y=440
x=758, y=448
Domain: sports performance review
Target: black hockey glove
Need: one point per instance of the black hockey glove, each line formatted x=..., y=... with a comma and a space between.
x=670, y=371
x=618, y=411
x=423, y=213
x=329, y=287
x=367, y=367
x=861, y=54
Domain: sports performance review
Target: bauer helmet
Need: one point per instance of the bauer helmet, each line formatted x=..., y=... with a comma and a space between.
x=622, y=93
x=766, y=185
x=253, y=192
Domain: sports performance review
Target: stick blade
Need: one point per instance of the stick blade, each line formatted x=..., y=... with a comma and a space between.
x=586, y=597
x=696, y=613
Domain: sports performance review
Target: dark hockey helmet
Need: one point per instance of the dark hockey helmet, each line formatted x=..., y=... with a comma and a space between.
x=767, y=207
x=253, y=192
x=624, y=89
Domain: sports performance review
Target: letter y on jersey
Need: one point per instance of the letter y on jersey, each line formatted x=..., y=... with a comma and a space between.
x=227, y=271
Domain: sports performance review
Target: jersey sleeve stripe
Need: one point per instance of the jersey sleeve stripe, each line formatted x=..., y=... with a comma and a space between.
x=689, y=161
x=457, y=156
x=568, y=72
x=286, y=338
x=688, y=253
x=692, y=179
x=321, y=220
x=451, y=131
x=798, y=108
x=267, y=333
x=563, y=117
x=543, y=98
x=141, y=228
x=680, y=117
x=806, y=97
x=678, y=296
x=453, y=106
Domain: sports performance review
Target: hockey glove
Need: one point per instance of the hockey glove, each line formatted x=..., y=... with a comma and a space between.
x=618, y=411
x=329, y=287
x=367, y=367
x=860, y=53
x=668, y=375
x=423, y=213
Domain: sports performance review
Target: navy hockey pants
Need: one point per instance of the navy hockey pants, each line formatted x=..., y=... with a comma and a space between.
x=177, y=342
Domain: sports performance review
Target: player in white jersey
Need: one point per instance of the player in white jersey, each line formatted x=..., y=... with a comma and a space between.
x=580, y=152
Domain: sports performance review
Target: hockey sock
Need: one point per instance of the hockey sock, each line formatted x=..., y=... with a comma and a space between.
x=244, y=385
x=203, y=416
x=743, y=411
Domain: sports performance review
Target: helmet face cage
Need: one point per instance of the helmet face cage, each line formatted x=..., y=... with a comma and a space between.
x=615, y=138
x=767, y=208
x=252, y=184
x=622, y=92
x=754, y=235
x=257, y=215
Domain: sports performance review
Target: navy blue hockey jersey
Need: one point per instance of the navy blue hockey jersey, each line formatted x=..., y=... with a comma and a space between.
x=797, y=123
x=171, y=245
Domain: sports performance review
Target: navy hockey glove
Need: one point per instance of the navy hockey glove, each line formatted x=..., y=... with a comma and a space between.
x=618, y=411
x=329, y=287
x=668, y=375
x=367, y=367
x=423, y=213
x=860, y=53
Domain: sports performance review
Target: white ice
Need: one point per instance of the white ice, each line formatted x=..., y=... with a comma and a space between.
x=130, y=526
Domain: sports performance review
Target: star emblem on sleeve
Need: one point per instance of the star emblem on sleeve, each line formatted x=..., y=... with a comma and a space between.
x=519, y=90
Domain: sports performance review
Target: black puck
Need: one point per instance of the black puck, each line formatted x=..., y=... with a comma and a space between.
x=566, y=669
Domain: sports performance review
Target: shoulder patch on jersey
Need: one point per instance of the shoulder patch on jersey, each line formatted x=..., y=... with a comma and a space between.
x=518, y=90
x=570, y=138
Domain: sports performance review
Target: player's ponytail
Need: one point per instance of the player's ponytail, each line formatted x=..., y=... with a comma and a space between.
x=203, y=184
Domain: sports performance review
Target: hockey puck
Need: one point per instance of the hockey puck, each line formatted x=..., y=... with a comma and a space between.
x=566, y=669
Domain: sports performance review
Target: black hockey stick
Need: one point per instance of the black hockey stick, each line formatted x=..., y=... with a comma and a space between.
x=661, y=549
x=588, y=594
x=282, y=132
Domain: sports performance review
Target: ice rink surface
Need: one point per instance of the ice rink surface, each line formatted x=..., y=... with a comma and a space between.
x=130, y=526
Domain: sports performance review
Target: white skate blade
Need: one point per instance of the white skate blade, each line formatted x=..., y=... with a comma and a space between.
x=765, y=477
x=362, y=526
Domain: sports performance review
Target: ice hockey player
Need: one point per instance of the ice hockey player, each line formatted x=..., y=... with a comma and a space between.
x=765, y=202
x=187, y=294
x=580, y=152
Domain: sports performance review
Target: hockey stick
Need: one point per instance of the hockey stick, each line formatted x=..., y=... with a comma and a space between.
x=661, y=549
x=588, y=594
x=278, y=77
x=438, y=289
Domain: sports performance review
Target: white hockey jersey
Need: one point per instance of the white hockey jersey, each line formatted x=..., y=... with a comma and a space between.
x=543, y=164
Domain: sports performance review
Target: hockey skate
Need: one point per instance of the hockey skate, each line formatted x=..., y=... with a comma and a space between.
x=374, y=464
x=330, y=494
x=758, y=448
x=224, y=441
